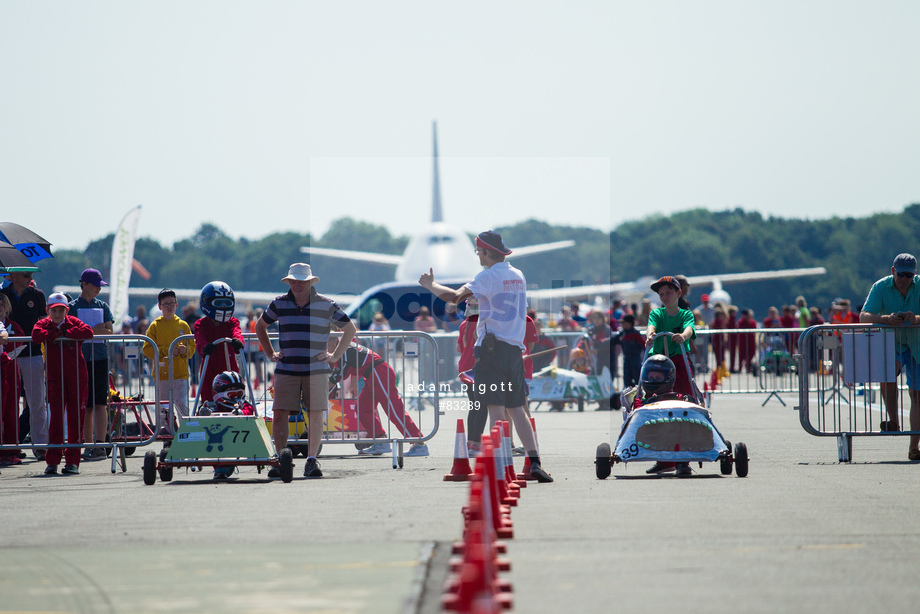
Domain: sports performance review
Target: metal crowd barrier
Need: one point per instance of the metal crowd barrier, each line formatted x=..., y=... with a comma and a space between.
x=853, y=365
x=139, y=417
x=130, y=423
x=413, y=356
x=758, y=360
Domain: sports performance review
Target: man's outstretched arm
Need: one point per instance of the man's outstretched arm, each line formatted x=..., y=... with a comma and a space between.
x=448, y=295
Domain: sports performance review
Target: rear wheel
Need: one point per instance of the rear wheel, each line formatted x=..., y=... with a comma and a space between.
x=150, y=468
x=602, y=462
x=286, y=462
x=741, y=460
x=725, y=466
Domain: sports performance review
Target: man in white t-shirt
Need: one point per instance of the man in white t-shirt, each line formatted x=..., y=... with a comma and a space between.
x=499, y=373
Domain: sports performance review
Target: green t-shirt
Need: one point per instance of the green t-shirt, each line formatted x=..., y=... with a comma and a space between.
x=664, y=323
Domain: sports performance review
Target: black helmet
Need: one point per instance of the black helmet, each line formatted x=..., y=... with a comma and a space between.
x=658, y=375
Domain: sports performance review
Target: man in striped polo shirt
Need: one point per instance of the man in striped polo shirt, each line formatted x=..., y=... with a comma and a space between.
x=305, y=319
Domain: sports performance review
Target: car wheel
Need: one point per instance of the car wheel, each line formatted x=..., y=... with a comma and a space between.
x=741, y=460
x=602, y=462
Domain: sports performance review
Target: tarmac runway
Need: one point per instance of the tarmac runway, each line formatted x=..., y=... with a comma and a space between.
x=802, y=533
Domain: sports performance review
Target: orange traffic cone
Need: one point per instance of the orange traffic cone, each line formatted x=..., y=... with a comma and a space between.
x=494, y=511
x=509, y=458
x=505, y=494
x=461, y=470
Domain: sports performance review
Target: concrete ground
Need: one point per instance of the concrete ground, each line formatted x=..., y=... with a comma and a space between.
x=801, y=533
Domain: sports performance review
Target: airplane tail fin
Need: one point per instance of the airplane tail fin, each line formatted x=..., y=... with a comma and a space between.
x=437, y=215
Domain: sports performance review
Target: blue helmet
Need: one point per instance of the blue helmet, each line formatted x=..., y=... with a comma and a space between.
x=217, y=301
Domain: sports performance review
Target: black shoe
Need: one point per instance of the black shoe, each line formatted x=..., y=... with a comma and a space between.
x=683, y=470
x=887, y=426
x=71, y=470
x=51, y=470
x=311, y=470
x=536, y=471
x=660, y=467
x=274, y=473
x=223, y=473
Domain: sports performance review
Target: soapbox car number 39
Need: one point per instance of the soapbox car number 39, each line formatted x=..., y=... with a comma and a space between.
x=630, y=452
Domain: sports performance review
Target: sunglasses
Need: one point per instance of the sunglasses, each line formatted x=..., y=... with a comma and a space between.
x=904, y=274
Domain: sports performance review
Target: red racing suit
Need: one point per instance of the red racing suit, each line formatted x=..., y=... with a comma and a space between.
x=68, y=387
x=9, y=390
x=223, y=358
x=379, y=388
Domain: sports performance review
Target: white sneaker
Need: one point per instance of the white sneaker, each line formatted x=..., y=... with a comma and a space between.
x=417, y=449
x=377, y=449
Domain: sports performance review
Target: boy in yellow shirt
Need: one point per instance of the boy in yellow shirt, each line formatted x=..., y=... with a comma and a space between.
x=163, y=331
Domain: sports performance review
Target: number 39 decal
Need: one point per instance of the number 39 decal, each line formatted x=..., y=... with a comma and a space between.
x=629, y=452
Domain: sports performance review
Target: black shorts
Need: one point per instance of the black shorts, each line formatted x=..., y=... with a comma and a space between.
x=97, y=372
x=499, y=375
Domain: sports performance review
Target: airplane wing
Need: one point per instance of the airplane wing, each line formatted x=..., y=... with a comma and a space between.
x=575, y=292
x=391, y=259
x=732, y=278
x=639, y=288
x=527, y=250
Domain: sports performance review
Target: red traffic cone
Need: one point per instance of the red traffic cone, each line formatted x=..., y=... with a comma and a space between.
x=510, y=478
x=461, y=470
x=505, y=494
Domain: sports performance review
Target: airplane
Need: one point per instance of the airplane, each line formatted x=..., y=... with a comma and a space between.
x=441, y=246
x=448, y=250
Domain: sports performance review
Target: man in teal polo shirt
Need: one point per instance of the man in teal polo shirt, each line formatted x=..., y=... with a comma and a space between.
x=895, y=301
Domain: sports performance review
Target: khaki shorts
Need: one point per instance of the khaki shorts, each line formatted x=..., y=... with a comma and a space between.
x=292, y=390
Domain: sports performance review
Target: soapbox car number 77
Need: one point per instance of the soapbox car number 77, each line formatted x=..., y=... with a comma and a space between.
x=670, y=429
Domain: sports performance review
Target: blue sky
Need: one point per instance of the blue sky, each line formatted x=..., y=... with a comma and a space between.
x=264, y=117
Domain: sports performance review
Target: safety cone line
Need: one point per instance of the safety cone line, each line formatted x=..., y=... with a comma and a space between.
x=474, y=577
x=474, y=585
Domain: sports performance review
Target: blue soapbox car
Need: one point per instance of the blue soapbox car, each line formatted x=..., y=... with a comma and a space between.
x=670, y=428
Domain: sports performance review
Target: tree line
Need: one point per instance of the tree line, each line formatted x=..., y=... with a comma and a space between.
x=855, y=251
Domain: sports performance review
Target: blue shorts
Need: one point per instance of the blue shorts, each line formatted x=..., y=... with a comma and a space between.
x=910, y=368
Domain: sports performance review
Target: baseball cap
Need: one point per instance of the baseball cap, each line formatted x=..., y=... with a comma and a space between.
x=705, y=298
x=905, y=263
x=667, y=280
x=58, y=299
x=93, y=276
x=492, y=240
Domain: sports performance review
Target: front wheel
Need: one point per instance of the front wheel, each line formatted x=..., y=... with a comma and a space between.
x=166, y=472
x=286, y=462
x=150, y=468
x=741, y=460
x=725, y=465
x=602, y=461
